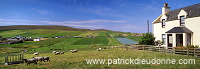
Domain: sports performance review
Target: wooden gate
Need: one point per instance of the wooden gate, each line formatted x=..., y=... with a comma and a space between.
x=14, y=59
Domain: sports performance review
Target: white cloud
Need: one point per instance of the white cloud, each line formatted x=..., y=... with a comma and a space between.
x=87, y=21
x=42, y=12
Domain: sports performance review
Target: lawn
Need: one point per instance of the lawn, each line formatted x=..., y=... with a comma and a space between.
x=78, y=60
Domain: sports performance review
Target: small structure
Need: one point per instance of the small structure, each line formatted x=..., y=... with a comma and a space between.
x=77, y=36
x=89, y=36
x=36, y=39
x=15, y=59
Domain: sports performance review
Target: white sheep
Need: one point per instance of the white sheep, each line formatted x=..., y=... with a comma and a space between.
x=98, y=50
x=54, y=52
x=73, y=51
x=62, y=52
x=28, y=61
x=46, y=58
x=39, y=58
x=37, y=53
x=57, y=53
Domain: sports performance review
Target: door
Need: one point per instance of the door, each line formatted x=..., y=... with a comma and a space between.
x=170, y=41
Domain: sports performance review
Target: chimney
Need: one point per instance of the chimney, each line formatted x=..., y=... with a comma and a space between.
x=165, y=9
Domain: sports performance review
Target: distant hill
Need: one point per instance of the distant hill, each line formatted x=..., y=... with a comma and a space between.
x=101, y=30
x=47, y=27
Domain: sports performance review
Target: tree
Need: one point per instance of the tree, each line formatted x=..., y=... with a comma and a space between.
x=0, y=36
x=147, y=39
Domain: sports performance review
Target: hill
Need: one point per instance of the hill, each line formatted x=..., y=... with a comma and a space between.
x=47, y=27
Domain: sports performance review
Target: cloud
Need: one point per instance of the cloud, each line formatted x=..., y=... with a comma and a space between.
x=129, y=28
x=90, y=24
x=42, y=12
x=86, y=22
x=17, y=20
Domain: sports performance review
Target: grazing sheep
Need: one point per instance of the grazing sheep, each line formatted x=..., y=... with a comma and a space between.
x=99, y=49
x=54, y=52
x=37, y=53
x=46, y=58
x=73, y=51
x=57, y=53
x=39, y=58
x=28, y=61
x=62, y=52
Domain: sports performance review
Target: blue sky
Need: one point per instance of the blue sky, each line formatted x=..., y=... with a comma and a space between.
x=116, y=15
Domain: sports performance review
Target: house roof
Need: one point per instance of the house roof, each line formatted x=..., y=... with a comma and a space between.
x=179, y=30
x=193, y=11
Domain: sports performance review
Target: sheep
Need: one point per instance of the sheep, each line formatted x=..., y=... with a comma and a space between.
x=28, y=61
x=73, y=51
x=39, y=58
x=99, y=49
x=62, y=52
x=37, y=53
x=46, y=58
x=57, y=53
x=54, y=52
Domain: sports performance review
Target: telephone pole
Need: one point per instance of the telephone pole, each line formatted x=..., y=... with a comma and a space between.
x=148, y=26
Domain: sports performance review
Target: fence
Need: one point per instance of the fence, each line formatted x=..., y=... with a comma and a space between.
x=14, y=59
x=195, y=52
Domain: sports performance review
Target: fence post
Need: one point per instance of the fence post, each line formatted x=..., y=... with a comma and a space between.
x=194, y=52
x=188, y=53
x=173, y=50
x=143, y=48
x=6, y=59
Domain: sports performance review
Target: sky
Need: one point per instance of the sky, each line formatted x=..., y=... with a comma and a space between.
x=116, y=15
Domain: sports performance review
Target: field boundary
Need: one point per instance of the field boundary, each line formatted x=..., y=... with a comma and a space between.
x=194, y=52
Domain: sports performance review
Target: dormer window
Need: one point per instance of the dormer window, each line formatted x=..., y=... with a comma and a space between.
x=182, y=20
x=163, y=23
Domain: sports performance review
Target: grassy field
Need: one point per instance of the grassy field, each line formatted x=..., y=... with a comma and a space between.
x=38, y=33
x=134, y=38
x=78, y=60
x=87, y=50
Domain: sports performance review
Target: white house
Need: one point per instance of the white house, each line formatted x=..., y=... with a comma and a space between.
x=36, y=39
x=178, y=27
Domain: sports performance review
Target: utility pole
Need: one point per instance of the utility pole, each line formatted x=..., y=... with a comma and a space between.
x=148, y=26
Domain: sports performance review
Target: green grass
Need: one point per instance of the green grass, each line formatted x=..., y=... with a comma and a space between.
x=92, y=41
x=38, y=33
x=86, y=34
x=134, y=38
x=102, y=34
x=78, y=60
x=113, y=41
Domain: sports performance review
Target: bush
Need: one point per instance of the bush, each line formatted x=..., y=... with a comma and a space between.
x=147, y=39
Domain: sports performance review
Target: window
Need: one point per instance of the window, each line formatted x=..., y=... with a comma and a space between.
x=163, y=38
x=182, y=20
x=163, y=23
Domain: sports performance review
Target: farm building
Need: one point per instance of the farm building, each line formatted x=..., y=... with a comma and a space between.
x=36, y=39
x=77, y=36
x=178, y=27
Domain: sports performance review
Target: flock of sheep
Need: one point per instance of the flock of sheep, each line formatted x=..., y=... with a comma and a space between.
x=36, y=59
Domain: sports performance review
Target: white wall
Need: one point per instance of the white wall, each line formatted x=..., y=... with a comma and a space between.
x=194, y=25
x=158, y=30
x=191, y=23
